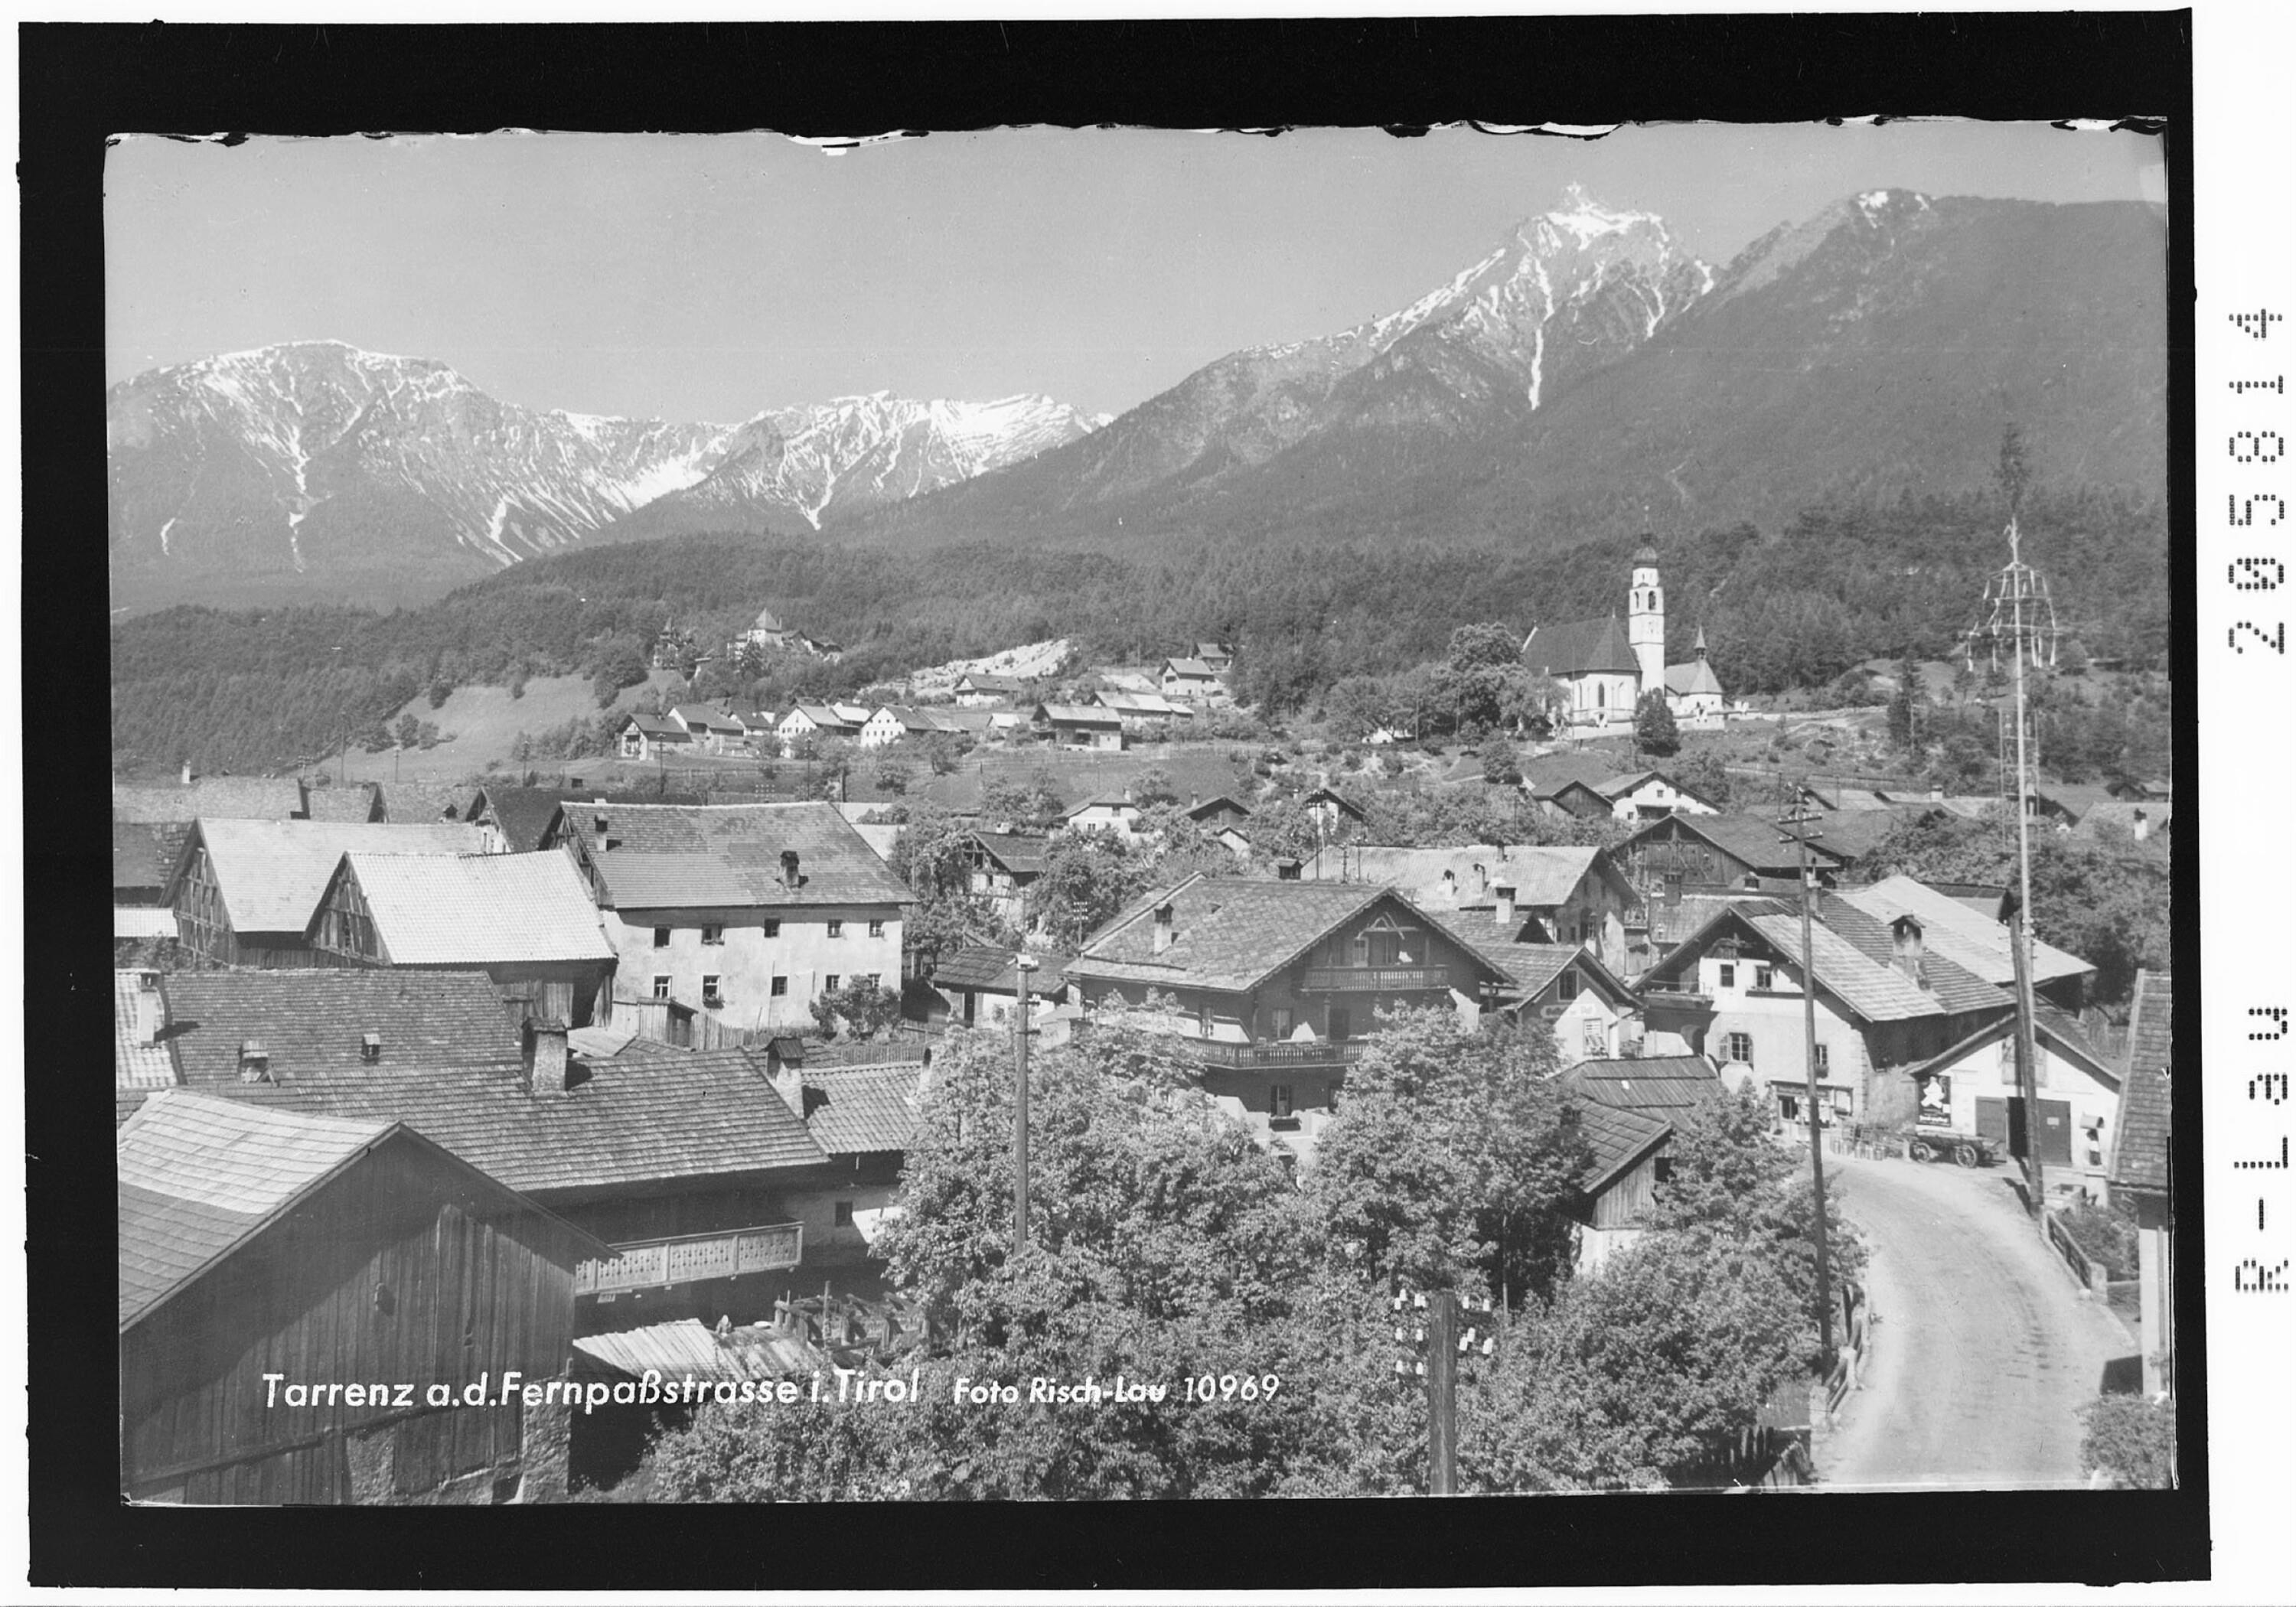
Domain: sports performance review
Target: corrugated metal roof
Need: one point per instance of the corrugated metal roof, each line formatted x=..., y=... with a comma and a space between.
x=686, y=1349
x=486, y=909
x=271, y=873
x=1971, y=940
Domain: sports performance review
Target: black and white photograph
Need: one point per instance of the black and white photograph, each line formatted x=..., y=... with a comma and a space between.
x=1085, y=814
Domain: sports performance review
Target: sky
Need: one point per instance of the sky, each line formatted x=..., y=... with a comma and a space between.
x=709, y=277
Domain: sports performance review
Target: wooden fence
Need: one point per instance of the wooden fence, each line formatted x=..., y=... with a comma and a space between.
x=1856, y=1319
x=2090, y=1273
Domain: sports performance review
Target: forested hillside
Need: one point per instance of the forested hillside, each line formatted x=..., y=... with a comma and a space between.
x=1790, y=608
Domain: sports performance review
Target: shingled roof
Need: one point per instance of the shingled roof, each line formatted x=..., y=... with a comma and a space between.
x=1661, y=1084
x=481, y=909
x=863, y=1110
x=993, y=971
x=1870, y=985
x=1957, y=987
x=312, y=1021
x=1541, y=877
x=2140, y=1149
x=1620, y=1138
x=136, y=1064
x=357, y=802
x=1529, y=967
x=1020, y=853
x=1970, y=939
x=522, y=815
x=142, y=854
x=1751, y=840
x=1578, y=647
x=211, y=797
x=673, y=855
x=271, y=873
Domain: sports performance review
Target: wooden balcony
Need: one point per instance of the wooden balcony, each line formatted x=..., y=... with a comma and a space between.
x=1377, y=979
x=658, y=1263
x=1274, y=1056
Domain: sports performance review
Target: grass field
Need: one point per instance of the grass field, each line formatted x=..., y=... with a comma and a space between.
x=478, y=724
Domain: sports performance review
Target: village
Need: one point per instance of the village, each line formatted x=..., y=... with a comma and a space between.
x=613, y=1076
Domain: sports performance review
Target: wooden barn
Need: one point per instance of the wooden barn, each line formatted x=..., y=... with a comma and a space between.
x=296, y=1294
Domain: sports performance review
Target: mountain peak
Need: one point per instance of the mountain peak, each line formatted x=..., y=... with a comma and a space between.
x=1586, y=220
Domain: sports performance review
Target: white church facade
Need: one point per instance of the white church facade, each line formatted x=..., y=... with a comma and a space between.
x=1606, y=667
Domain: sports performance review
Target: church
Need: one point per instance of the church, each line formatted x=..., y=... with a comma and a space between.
x=1606, y=667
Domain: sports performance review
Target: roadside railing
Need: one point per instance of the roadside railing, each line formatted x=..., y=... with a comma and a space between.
x=1856, y=1338
x=2091, y=1276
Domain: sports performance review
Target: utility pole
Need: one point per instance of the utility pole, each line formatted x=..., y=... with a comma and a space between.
x=1433, y=1330
x=1022, y=965
x=1799, y=816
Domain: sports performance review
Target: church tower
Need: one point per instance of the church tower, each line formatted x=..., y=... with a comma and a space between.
x=1646, y=622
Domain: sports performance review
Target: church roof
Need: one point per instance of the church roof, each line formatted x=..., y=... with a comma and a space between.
x=1582, y=647
x=1684, y=680
x=766, y=620
x=1646, y=554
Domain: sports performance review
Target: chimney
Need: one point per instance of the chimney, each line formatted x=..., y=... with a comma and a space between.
x=1482, y=881
x=151, y=1013
x=788, y=1082
x=188, y=777
x=790, y=878
x=1906, y=933
x=1163, y=938
x=254, y=1062
x=1673, y=895
x=2141, y=828
x=1505, y=896
x=1937, y=794
x=544, y=1065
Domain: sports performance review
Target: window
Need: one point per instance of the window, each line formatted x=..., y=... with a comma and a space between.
x=875, y=979
x=1661, y=1168
x=1279, y=1024
x=1824, y=1059
x=1738, y=1047
x=772, y=929
x=661, y=988
x=710, y=994
x=1279, y=1099
x=1568, y=987
x=1596, y=1042
x=1765, y=976
x=2009, y=1062
x=876, y=929
x=844, y=1213
x=780, y=990
x=713, y=934
x=1728, y=975
x=1204, y=1020
x=837, y=928
x=661, y=936
x=829, y=983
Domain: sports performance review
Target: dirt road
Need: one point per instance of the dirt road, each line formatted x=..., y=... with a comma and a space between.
x=1984, y=1349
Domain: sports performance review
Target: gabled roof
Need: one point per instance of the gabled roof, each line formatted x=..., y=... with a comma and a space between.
x=200, y=1178
x=1749, y=839
x=2073, y=799
x=980, y=681
x=993, y=971
x=2140, y=1152
x=1971, y=940
x=143, y=853
x=1871, y=988
x=1101, y=801
x=1955, y=985
x=1221, y=804
x=312, y=1021
x=521, y=814
x=1019, y=853
x=357, y=802
x=481, y=909
x=271, y=873
x=863, y=1110
x=827, y=717
x=1697, y=677
x=2052, y=1026
x=211, y=797
x=136, y=1065
x=1529, y=968
x=657, y=728
x=2116, y=818
x=1230, y=936
x=1541, y=877
x=1660, y=1084
x=1620, y=1138
x=425, y=802
x=702, y=716
x=1339, y=800
x=669, y=856
x=1194, y=668
x=906, y=717
x=1580, y=647
x=1077, y=714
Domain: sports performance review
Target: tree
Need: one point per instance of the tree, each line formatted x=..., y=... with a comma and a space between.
x=408, y=731
x=1501, y=765
x=2013, y=474
x=892, y=774
x=866, y=1007
x=1903, y=735
x=1154, y=786
x=1035, y=804
x=1704, y=774
x=1655, y=732
x=1088, y=876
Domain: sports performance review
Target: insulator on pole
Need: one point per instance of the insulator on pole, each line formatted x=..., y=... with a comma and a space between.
x=1420, y=1368
x=1419, y=1300
x=1398, y=1336
x=1419, y=1336
x=1490, y=1347
x=1401, y=1369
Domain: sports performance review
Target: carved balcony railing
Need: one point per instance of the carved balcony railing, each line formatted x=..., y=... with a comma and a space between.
x=658, y=1263
x=1248, y=1057
x=1377, y=979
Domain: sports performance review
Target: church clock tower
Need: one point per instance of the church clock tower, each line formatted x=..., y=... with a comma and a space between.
x=1646, y=622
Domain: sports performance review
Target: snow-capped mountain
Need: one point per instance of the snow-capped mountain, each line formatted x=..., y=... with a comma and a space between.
x=316, y=469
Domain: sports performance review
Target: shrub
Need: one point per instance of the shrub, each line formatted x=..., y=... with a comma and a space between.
x=2132, y=1438
x=2105, y=1237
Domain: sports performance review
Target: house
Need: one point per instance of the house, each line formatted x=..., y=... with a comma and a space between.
x=743, y=914
x=2143, y=1171
x=1973, y=941
x=211, y=797
x=680, y=1161
x=1885, y=1005
x=1718, y=854
x=1005, y=865
x=245, y=892
x=645, y=736
x=982, y=987
x=2065, y=803
x=760, y=730
x=516, y=820
x=892, y=723
x=1269, y=983
x=1216, y=813
x=290, y=1284
x=1972, y=1087
x=142, y=854
x=1079, y=726
x=1647, y=795
x=425, y=802
x=1594, y=1014
x=1190, y=679
x=767, y=632
x=818, y=722
x=1604, y=671
x=1105, y=812
x=863, y=1117
x=981, y=690
x=2125, y=821
x=1218, y=657
x=1557, y=895
x=526, y=920
x=359, y=802
x=713, y=730
x=1628, y=1109
x=1331, y=809
x=1144, y=712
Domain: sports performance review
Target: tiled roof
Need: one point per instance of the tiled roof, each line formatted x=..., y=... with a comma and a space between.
x=1581, y=646
x=199, y=1176
x=1874, y=989
x=1188, y=667
x=1955, y=986
x=1971, y=940
x=1541, y=877
x=212, y=798
x=2051, y=1026
x=136, y=1065
x=1620, y=1138
x=1696, y=676
x=312, y=1021
x=522, y=815
x=732, y=854
x=1661, y=1084
x=863, y=1110
x=686, y=1349
x=2140, y=1153
x=424, y=802
x=1530, y=967
x=1021, y=853
x=992, y=970
x=126, y=1102
x=143, y=921
x=478, y=909
x=357, y=802
x=1853, y=833
x=2116, y=818
x=143, y=853
x=272, y=872
x=1752, y=839
x=1228, y=935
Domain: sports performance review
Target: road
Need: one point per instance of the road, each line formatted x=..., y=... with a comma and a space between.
x=1984, y=1349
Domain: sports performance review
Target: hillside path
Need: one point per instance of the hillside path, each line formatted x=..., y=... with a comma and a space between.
x=1984, y=1349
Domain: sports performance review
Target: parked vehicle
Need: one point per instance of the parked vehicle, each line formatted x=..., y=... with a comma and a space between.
x=1926, y=1144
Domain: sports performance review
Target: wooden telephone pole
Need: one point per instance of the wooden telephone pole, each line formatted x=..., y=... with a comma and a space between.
x=1022, y=965
x=1430, y=1324
x=1799, y=816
